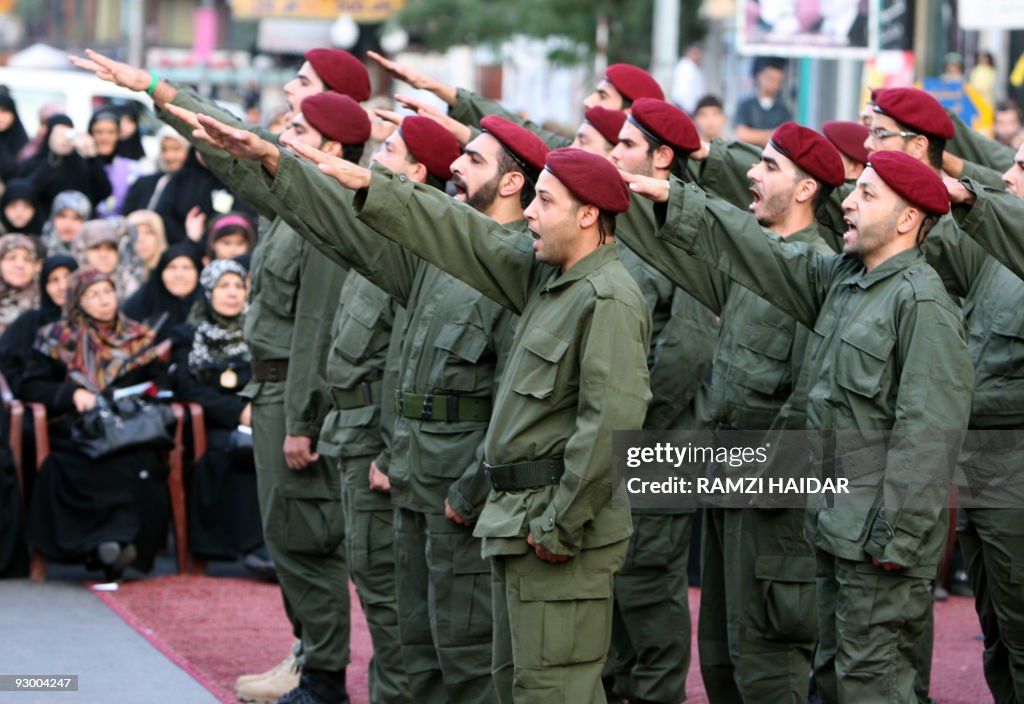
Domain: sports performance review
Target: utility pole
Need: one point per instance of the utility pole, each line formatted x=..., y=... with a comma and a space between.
x=133, y=24
x=665, y=41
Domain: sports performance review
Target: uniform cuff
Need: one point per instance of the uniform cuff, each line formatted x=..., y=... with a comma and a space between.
x=548, y=535
x=685, y=212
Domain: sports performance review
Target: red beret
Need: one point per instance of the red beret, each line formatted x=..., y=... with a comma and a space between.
x=336, y=117
x=915, y=109
x=912, y=179
x=525, y=147
x=849, y=138
x=633, y=82
x=431, y=145
x=341, y=72
x=607, y=122
x=810, y=151
x=589, y=177
x=667, y=124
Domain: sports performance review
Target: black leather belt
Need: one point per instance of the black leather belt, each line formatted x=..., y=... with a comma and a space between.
x=524, y=475
x=447, y=407
x=365, y=394
x=270, y=370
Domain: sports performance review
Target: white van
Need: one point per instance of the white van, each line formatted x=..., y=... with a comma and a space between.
x=78, y=92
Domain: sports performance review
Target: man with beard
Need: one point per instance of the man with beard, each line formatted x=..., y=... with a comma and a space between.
x=751, y=649
x=454, y=348
x=888, y=363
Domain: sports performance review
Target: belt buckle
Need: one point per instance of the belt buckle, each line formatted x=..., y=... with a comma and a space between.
x=427, y=413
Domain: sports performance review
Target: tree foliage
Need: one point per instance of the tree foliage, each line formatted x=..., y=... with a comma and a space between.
x=440, y=24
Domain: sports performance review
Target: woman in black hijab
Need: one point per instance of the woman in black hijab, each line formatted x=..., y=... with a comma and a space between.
x=167, y=297
x=16, y=342
x=57, y=166
x=130, y=144
x=194, y=185
x=12, y=137
x=20, y=211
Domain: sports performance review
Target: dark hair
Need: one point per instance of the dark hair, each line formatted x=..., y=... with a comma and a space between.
x=352, y=152
x=606, y=225
x=763, y=62
x=927, y=221
x=1004, y=105
x=432, y=180
x=708, y=101
x=820, y=195
x=936, y=145
x=506, y=164
x=678, y=166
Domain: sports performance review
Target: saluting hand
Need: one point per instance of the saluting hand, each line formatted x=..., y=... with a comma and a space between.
x=958, y=192
x=240, y=144
x=414, y=78
x=461, y=132
x=655, y=189
x=346, y=173
x=544, y=554
x=122, y=74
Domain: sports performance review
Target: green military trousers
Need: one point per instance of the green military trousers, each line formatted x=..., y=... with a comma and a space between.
x=870, y=627
x=552, y=625
x=370, y=549
x=444, y=609
x=650, y=651
x=304, y=526
x=757, y=630
x=992, y=540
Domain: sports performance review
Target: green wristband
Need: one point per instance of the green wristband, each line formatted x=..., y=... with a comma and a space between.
x=153, y=83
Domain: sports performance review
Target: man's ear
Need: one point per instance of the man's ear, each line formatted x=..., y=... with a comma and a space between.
x=511, y=183
x=587, y=215
x=332, y=147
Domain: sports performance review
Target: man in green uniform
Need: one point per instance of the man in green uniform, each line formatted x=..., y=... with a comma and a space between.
x=752, y=649
x=577, y=372
x=454, y=349
x=650, y=655
x=300, y=495
x=888, y=354
x=992, y=539
x=363, y=324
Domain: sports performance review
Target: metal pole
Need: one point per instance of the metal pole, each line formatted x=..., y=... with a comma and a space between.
x=665, y=40
x=133, y=24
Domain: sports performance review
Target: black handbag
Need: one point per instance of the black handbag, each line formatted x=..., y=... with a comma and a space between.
x=239, y=447
x=127, y=424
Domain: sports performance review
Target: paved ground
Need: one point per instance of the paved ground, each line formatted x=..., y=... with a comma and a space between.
x=59, y=628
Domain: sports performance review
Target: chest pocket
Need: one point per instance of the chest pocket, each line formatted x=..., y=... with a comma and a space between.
x=463, y=344
x=761, y=362
x=279, y=280
x=537, y=371
x=863, y=358
x=356, y=329
x=1004, y=354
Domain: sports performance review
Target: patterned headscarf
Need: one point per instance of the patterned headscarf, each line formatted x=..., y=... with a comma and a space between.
x=95, y=353
x=65, y=200
x=15, y=301
x=218, y=342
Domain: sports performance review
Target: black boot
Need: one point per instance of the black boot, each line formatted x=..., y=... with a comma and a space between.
x=318, y=687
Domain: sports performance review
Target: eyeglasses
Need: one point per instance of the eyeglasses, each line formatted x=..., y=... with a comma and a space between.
x=880, y=134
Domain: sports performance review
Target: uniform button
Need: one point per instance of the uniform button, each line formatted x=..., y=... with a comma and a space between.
x=550, y=523
x=402, y=178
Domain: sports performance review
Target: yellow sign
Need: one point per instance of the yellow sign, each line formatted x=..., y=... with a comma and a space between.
x=364, y=11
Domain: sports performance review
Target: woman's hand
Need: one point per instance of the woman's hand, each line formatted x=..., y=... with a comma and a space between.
x=195, y=223
x=84, y=400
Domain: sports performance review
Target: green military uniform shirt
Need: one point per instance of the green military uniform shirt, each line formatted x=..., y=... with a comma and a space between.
x=996, y=221
x=577, y=372
x=888, y=353
x=455, y=341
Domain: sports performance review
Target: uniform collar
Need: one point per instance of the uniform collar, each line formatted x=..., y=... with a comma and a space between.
x=893, y=265
x=584, y=267
x=808, y=235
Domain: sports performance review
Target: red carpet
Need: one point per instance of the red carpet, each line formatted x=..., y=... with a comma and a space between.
x=217, y=629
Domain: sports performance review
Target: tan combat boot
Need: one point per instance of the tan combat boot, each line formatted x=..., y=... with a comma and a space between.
x=271, y=685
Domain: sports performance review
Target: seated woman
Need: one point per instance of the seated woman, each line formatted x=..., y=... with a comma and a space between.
x=18, y=291
x=97, y=246
x=165, y=301
x=111, y=512
x=145, y=244
x=105, y=130
x=69, y=212
x=211, y=364
x=16, y=341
